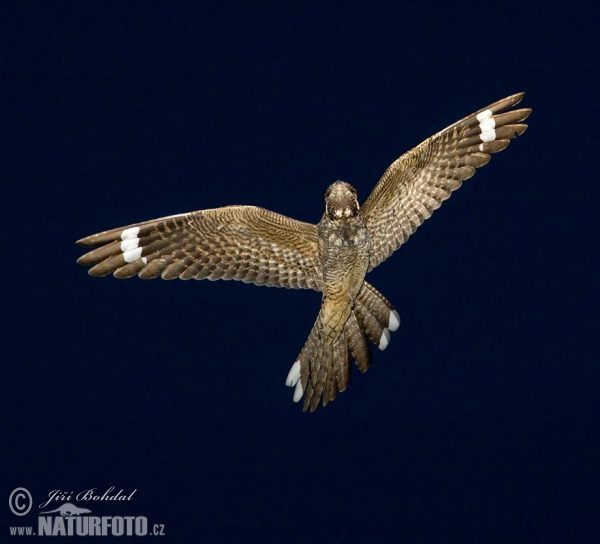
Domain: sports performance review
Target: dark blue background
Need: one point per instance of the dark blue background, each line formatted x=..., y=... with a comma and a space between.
x=479, y=423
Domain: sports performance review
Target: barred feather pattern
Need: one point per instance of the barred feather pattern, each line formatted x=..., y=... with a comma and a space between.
x=322, y=370
x=419, y=181
x=243, y=243
x=255, y=245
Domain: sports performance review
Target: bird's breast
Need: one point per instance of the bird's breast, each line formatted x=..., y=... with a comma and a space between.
x=345, y=252
x=347, y=236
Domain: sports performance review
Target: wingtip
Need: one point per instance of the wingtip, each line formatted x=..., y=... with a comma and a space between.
x=85, y=242
x=504, y=103
x=85, y=260
x=520, y=129
x=516, y=98
x=526, y=113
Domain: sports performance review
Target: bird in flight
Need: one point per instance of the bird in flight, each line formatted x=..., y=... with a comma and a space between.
x=255, y=245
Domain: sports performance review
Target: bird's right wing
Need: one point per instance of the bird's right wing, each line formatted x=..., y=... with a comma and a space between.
x=244, y=243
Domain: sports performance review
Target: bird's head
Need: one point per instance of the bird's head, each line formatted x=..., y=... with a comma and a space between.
x=341, y=201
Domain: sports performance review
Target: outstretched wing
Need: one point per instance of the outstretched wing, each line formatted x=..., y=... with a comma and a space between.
x=244, y=243
x=420, y=180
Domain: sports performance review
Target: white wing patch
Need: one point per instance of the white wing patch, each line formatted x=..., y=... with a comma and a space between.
x=130, y=245
x=132, y=255
x=487, y=124
x=130, y=233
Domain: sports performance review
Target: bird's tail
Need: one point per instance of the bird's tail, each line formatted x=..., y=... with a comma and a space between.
x=324, y=370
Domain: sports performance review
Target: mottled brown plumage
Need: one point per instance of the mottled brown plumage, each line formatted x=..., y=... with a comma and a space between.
x=255, y=245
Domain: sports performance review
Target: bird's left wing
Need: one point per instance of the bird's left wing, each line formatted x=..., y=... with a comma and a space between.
x=244, y=243
x=420, y=180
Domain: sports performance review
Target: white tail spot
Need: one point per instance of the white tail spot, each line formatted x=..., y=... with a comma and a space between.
x=294, y=375
x=298, y=392
x=394, y=321
x=384, y=340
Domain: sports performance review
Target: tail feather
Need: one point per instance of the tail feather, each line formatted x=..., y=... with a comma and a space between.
x=340, y=365
x=321, y=370
x=379, y=307
x=360, y=349
x=339, y=376
x=371, y=326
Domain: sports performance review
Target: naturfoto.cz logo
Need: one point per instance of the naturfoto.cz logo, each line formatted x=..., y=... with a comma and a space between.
x=68, y=519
